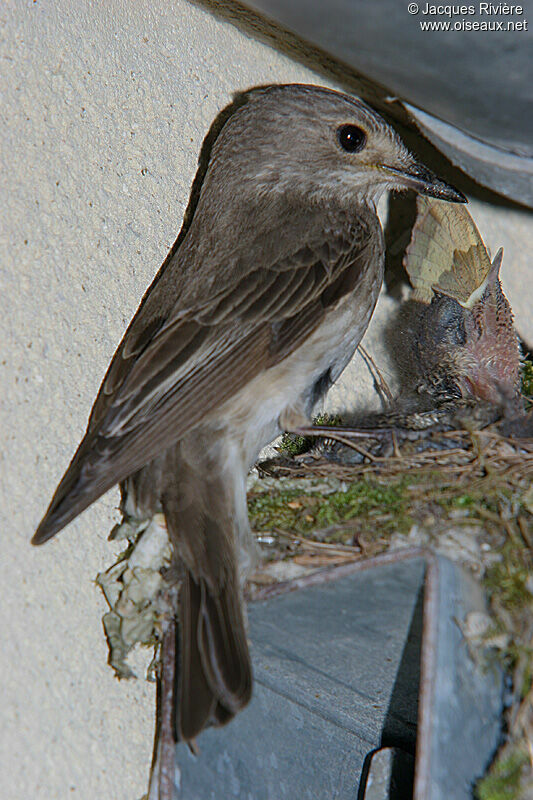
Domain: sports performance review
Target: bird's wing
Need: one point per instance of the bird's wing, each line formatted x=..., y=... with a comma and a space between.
x=170, y=372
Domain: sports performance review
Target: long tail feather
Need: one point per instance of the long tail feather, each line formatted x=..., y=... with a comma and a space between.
x=215, y=672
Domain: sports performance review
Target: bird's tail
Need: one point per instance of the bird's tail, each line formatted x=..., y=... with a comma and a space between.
x=215, y=673
x=215, y=676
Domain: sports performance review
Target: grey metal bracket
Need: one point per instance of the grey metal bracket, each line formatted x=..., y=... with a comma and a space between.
x=361, y=672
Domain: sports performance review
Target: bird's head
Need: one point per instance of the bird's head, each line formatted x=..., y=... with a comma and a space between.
x=311, y=142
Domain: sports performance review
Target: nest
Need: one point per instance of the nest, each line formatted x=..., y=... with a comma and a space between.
x=466, y=493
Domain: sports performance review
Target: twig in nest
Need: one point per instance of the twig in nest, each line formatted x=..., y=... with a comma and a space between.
x=381, y=385
x=343, y=549
x=526, y=534
x=395, y=445
x=355, y=447
x=330, y=431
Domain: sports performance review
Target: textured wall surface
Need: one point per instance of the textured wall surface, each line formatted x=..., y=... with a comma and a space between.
x=104, y=107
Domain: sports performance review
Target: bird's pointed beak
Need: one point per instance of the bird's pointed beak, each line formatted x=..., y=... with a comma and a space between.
x=423, y=181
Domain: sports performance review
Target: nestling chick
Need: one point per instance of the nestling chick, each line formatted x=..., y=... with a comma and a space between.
x=473, y=351
x=465, y=340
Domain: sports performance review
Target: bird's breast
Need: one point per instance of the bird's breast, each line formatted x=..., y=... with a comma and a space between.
x=253, y=414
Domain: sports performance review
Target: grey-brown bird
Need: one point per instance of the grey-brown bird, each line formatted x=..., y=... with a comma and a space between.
x=250, y=320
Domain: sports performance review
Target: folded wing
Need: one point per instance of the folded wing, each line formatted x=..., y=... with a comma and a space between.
x=172, y=370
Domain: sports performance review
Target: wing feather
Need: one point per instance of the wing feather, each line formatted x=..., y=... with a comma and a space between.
x=170, y=373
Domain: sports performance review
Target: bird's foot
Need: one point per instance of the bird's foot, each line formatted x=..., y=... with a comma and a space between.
x=336, y=431
x=292, y=419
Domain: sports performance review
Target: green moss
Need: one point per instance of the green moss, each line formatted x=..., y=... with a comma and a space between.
x=507, y=579
x=463, y=501
x=527, y=677
x=328, y=419
x=380, y=508
x=364, y=499
x=504, y=780
x=394, y=506
x=527, y=378
x=271, y=511
x=293, y=445
x=473, y=503
x=515, y=655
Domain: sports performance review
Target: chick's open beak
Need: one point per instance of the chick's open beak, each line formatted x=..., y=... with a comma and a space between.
x=422, y=180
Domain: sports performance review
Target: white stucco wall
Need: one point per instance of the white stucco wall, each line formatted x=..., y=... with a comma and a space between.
x=104, y=107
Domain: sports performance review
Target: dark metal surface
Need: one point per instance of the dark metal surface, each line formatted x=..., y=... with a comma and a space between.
x=461, y=692
x=325, y=663
x=345, y=661
x=505, y=172
x=475, y=82
x=390, y=775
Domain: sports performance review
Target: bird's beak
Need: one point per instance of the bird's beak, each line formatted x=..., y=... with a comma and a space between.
x=422, y=180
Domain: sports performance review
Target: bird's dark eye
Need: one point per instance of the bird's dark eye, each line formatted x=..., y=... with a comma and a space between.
x=351, y=138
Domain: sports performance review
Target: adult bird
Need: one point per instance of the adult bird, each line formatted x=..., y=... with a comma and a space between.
x=248, y=323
